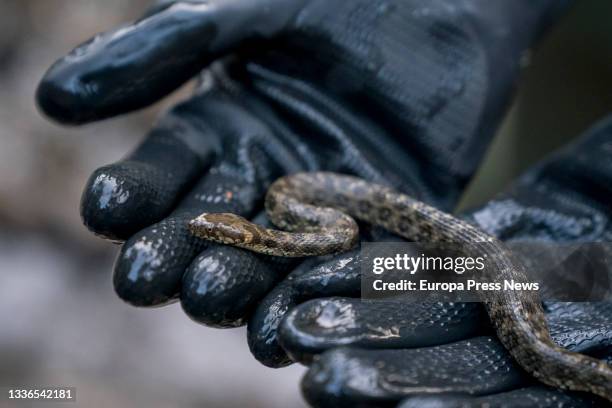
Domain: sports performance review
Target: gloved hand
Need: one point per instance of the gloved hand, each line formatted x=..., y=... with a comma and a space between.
x=446, y=355
x=406, y=93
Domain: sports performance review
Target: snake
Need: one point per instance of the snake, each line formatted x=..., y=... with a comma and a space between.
x=316, y=214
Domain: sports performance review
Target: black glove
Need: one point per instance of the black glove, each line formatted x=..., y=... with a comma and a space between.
x=406, y=93
x=408, y=350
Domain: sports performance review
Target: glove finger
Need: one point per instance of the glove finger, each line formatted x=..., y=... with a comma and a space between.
x=336, y=276
x=135, y=65
x=321, y=324
x=122, y=198
x=478, y=366
x=529, y=397
x=347, y=377
x=223, y=285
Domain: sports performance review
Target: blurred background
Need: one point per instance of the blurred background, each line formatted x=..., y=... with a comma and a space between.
x=60, y=322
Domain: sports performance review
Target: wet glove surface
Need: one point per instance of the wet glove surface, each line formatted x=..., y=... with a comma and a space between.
x=409, y=350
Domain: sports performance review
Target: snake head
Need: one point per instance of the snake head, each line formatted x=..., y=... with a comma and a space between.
x=224, y=228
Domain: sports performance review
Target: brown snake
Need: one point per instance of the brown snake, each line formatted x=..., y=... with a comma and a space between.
x=313, y=208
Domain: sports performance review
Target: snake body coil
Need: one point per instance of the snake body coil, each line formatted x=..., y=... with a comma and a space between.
x=313, y=208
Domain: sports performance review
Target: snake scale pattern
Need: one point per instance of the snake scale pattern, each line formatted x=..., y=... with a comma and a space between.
x=315, y=212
